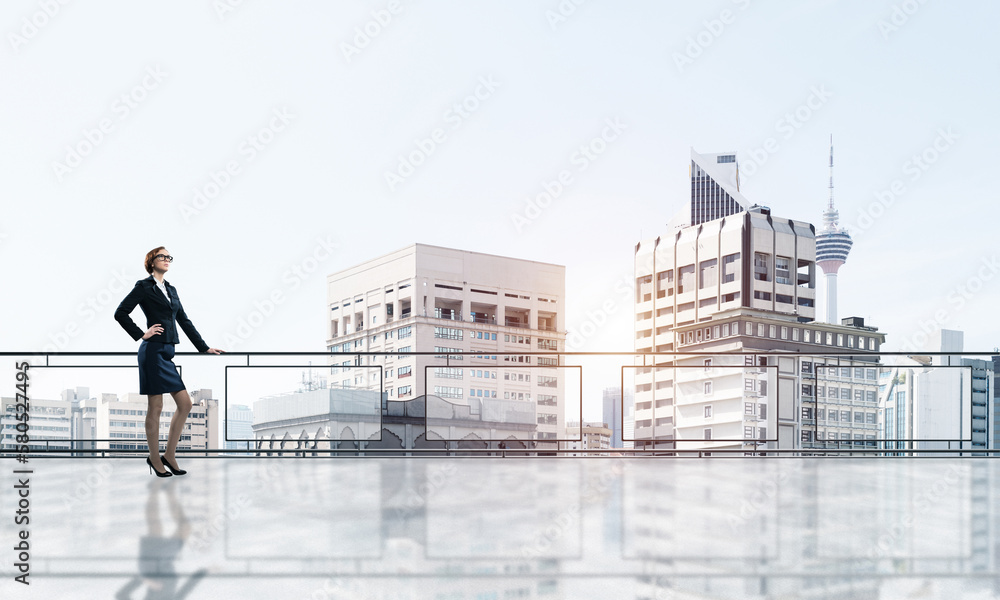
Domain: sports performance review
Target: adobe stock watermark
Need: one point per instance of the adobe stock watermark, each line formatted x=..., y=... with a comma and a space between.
x=366, y=33
x=247, y=324
x=97, y=476
x=913, y=168
x=786, y=127
x=754, y=502
x=454, y=116
x=711, y=31
x=121, y=109
x=88, y=310
x=224, y=8
x=247, y=151
x=582, y=159
x=562, y=12
x=899, y=16
x=202, y=537
x=957, y=299
x=569, y=517
x=33, y=24
x=339, y=589
x=922, y=503
x=417, y=498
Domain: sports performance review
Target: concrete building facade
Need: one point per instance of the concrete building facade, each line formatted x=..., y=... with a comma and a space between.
x=930, y=402
x=445, y=301
x=743, y=283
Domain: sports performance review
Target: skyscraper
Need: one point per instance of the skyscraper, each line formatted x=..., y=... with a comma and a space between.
x=832, y=246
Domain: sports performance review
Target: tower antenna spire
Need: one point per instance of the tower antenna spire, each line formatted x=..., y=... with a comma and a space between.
x=831, y=170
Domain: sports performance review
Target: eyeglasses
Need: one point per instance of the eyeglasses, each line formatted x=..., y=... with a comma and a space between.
x=165, y=257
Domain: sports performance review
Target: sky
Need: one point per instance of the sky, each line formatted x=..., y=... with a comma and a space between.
x=267, y=144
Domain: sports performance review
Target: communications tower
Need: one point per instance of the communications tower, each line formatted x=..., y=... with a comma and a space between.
x=832, y=247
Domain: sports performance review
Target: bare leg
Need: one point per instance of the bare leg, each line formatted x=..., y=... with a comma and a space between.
x=153, y=429
x=183, y=401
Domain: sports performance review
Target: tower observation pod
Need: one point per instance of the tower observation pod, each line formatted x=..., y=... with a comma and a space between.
x=833, y=244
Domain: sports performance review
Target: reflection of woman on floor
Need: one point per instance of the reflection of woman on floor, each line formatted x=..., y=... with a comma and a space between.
x=157, y=553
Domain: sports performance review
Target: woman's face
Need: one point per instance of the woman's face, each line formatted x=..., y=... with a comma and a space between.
x=160, y=263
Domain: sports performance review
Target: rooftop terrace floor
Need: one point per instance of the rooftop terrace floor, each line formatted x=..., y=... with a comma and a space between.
x=502, y=528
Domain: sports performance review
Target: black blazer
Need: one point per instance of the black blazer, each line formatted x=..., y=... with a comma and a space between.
x=157, y=310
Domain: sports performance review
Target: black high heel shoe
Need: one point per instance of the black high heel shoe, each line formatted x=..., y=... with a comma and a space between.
x=172, y=468
x=158, y=474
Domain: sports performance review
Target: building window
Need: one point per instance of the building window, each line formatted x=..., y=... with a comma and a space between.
x=665, y=283
x=686, y=282
x=403, y=391
x=448, y=392
x=404, y=332
x=643, y=289
x=404, y=371
x=782, y=270
x=761, y=271
x=708, y=411
x=708, y=388
x=748, y=408
x=870, y=418
x=708, y=364
x=821, y=414
x=748, y=432
x=795, y=334
x=448, y=333
x=708, y=274
x=708, y=433
x=730, y=267
x=447, y=373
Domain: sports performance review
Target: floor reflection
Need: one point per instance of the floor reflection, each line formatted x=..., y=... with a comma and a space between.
x=157, y=551
x=454, y=528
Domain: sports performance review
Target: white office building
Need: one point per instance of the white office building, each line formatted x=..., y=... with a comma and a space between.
x=742, y=283
x=930, y=402
x=445, y=301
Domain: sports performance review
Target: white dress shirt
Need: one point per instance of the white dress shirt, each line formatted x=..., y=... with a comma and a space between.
x=163, y=288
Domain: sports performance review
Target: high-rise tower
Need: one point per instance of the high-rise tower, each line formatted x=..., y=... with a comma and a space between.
x=832, y=246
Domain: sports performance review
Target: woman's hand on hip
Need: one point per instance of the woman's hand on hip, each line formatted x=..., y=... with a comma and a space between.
x=154, y=330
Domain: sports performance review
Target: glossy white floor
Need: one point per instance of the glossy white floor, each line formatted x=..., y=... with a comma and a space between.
x=489, y=528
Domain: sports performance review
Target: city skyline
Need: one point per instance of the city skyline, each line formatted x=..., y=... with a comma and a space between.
x=300, y=166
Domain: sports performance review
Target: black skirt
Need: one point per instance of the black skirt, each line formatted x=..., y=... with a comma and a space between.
x=157, y=372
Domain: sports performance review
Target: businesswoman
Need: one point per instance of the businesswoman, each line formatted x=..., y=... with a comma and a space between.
x=157, y=372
